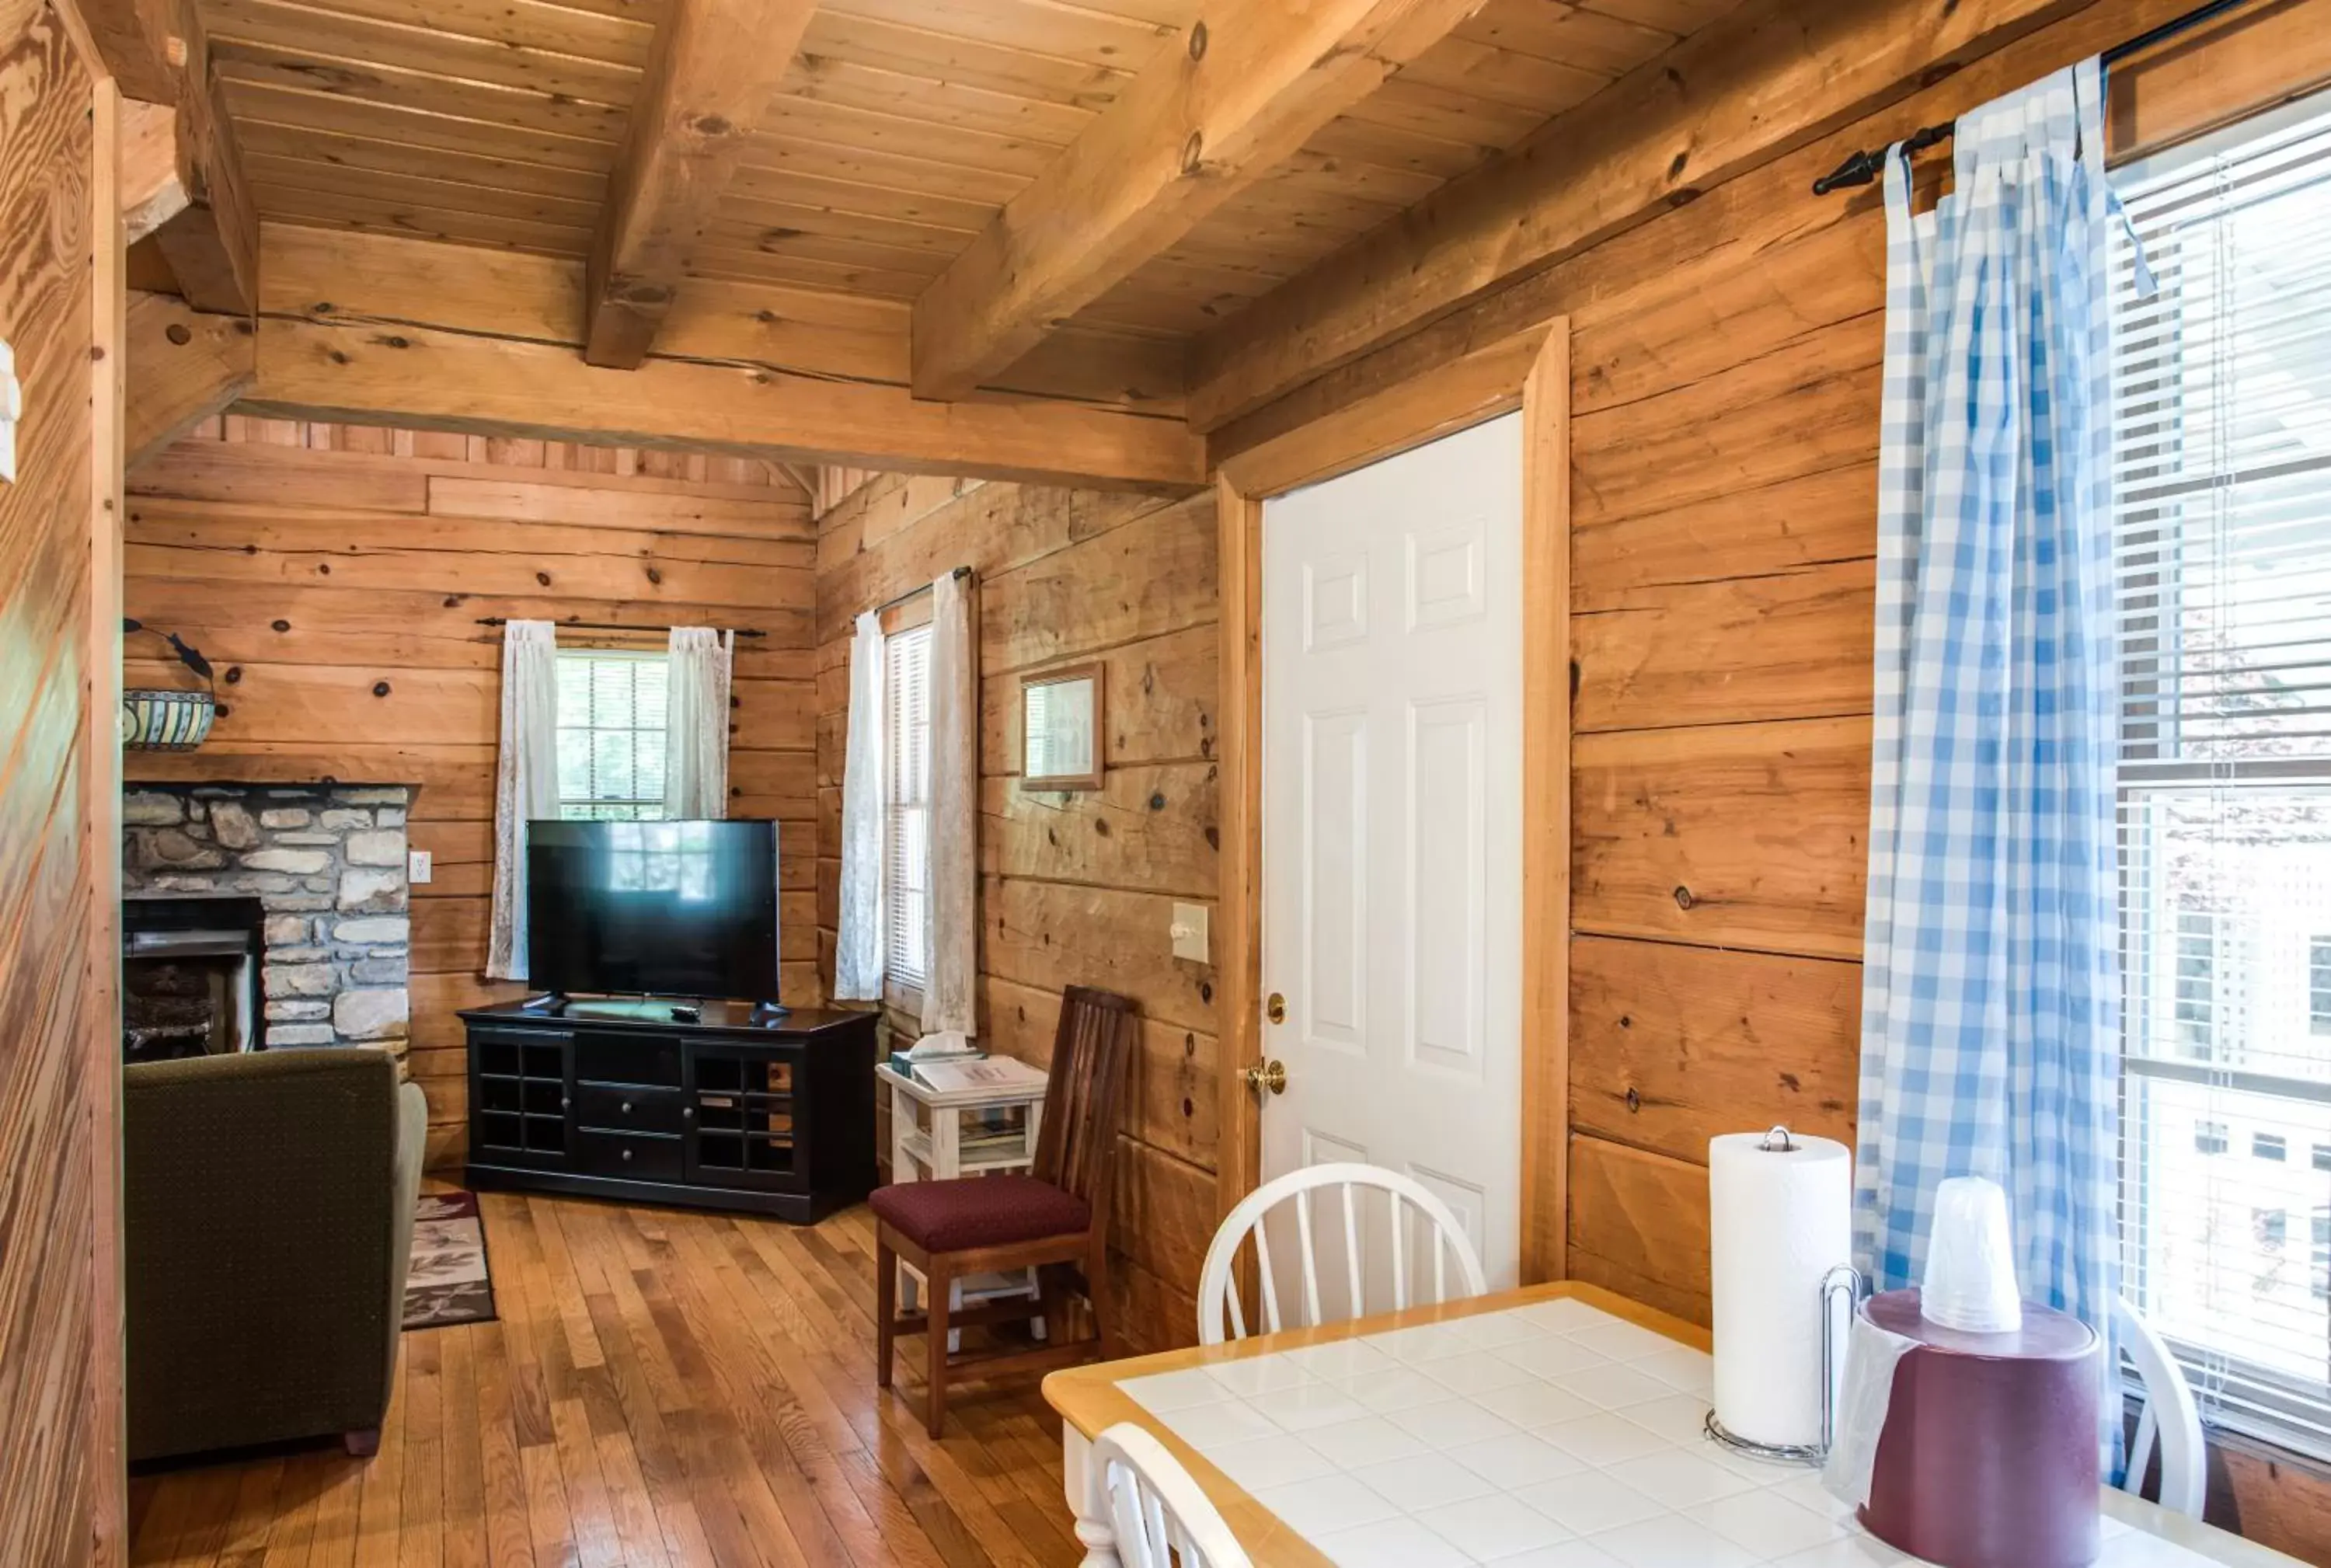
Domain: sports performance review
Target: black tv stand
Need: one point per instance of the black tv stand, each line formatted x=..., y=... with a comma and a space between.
x=746, y=1107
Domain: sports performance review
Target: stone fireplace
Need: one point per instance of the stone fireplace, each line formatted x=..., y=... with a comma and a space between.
x=326, y=867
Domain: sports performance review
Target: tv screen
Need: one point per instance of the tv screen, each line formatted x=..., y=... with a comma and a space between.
x=681, y=909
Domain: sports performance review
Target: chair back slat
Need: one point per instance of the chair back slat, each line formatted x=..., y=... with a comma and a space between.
x=1091, y=1052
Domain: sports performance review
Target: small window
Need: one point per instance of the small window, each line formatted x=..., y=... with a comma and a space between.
x=2271, y=1227
x=2323, y=1157
x=906, y=840
x=611, y=734
x=2268, y=1146
x=2209, y=1138
x=2318, y=986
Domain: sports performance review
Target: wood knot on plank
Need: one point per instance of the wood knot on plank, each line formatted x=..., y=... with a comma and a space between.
x=1684, y=899
x=178, y=333
x=1197, y=40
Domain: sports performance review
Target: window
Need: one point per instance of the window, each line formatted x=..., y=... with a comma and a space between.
x=906, y=839
x=611, y=734
x=2221, y=453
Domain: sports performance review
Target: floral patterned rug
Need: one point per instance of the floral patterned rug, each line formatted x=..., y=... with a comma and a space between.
x=450, y=1282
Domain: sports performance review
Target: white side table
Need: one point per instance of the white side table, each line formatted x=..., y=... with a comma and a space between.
x=926, y=1146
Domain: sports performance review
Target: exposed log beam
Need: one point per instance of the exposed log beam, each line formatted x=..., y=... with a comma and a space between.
x=716, y=64
x=338, y=274
x=1237, y=93
x=152, y=194
x=431, y=378
x=183, y=367
x=1769, y=78
x=193, y=203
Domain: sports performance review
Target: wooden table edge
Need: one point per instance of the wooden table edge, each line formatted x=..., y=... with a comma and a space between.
x=1089, y=1402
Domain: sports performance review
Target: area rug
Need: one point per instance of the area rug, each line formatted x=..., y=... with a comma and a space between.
x=450, y=1282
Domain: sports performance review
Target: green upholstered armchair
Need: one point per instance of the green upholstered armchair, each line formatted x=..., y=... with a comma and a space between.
x=268, y=1207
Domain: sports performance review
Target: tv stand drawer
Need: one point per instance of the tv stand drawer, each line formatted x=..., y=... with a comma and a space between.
x=625, y=1107
x=609, y=1056
x=635, y=1156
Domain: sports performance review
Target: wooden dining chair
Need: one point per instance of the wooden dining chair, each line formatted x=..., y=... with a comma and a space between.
x=1054, y=1219
x=1220, y=1315
x=1154, y=1512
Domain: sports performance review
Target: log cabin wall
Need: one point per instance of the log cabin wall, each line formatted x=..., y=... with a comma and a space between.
x=59, y=1475
x=1074, y=889
x=335, y=576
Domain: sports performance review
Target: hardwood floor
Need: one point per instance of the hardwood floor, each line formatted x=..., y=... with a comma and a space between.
x=663, y=1388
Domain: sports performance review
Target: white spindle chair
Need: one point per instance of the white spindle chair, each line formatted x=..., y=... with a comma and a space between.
x=1154, y=1510
x=1220, y=1315
x=2167, y=1415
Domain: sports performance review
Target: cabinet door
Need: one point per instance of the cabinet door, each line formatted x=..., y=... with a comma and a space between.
x=740, y=1115
x=521, y=1088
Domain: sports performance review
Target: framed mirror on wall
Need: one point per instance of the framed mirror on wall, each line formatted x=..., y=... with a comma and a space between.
x=1060, y=716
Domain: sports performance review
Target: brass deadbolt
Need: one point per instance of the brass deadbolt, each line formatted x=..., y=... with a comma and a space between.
x=1275, y=1008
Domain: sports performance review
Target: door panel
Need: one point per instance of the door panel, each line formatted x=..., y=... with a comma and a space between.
x=1392, y=833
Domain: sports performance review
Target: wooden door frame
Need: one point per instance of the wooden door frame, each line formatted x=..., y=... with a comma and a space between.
x=1528, y=371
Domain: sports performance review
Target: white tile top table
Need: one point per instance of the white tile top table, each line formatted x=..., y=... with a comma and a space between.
x=1555, y=1428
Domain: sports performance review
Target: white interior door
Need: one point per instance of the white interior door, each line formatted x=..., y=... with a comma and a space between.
x=1392, y=673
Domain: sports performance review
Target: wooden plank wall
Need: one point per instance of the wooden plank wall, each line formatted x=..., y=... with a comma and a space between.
x=1726, y=387
x=1074, y=889
x=335, y=574
x=52, y=1420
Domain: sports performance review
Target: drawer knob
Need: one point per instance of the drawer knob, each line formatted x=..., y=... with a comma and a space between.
x=687, y=1113
x=627, y=1153
x=627, y=1107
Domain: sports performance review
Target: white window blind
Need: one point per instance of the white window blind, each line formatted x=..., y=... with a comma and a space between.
x=611, y=734
x=905, y=838
x=2222, y=411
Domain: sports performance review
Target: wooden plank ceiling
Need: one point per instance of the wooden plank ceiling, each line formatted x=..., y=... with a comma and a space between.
x=901, y=130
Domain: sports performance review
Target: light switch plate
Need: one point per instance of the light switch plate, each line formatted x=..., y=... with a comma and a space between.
x=12, y=412
x=1189, y=930
x=417, y=868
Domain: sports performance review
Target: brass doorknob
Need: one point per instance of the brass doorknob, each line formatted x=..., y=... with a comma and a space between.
x=1266, y=1077
x=1275, y=1008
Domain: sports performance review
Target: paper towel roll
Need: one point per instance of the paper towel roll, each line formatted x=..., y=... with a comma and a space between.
x=1779, y=1220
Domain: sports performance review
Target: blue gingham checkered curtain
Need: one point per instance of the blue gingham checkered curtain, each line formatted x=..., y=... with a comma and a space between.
x=1990, y=1034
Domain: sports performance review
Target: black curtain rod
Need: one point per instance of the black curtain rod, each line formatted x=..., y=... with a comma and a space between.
x=959, y=574
x=1866, y=166
x=615, y=626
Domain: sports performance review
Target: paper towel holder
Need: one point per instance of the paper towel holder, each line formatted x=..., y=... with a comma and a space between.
x=1845, y=1280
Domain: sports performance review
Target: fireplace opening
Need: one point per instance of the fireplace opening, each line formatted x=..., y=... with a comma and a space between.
x=190, y=977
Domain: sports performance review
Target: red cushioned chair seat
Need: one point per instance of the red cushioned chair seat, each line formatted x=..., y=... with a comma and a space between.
x=979, y=1212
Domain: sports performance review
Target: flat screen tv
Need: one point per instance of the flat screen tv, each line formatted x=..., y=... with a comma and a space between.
x=680, y=909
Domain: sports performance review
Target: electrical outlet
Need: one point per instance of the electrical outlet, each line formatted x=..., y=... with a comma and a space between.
x=1189, y=931
x=416, y=866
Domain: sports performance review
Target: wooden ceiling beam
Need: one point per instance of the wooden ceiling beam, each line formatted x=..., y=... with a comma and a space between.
x=1767, y=79
x=342, y=274
x=184, y=185
x=715, y=66
x=429, y=379
x=1240, y=93
x=183, y=366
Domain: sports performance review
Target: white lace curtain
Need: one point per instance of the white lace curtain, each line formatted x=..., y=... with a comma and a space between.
x=858, y=945
x=696, y=724
x=952, y=973
x=526, y=781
